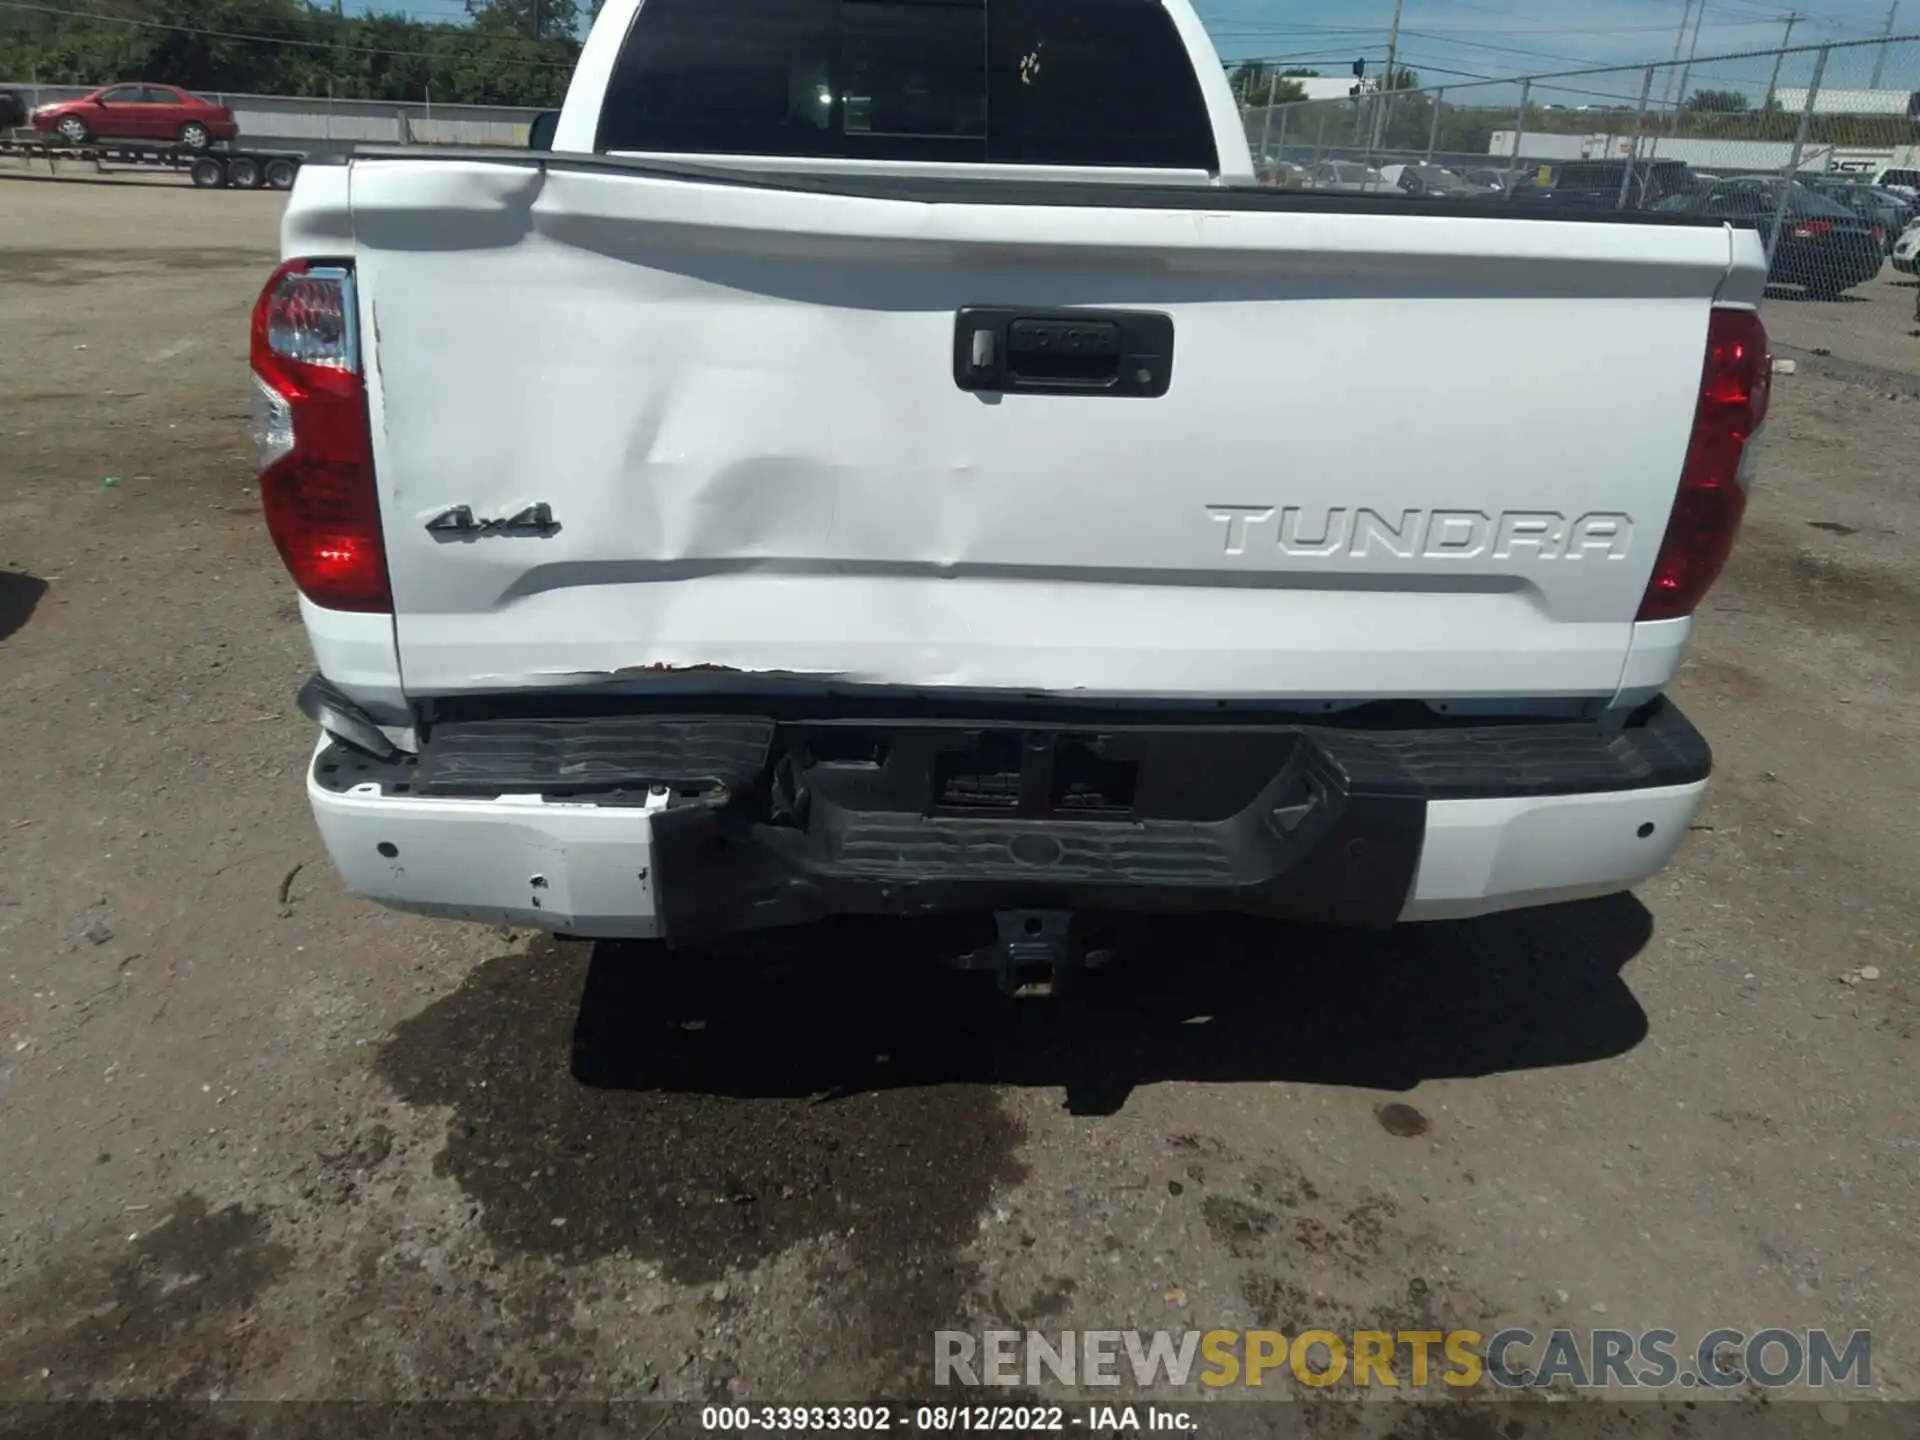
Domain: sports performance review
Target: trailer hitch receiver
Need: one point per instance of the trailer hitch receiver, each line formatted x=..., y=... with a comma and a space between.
x=1034, y=951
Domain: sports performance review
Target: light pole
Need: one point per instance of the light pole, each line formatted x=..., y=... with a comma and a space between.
x=1393, y=50
x=1773, y=83
x=1692, y=50
x=1880, y=60
x=1679, y=40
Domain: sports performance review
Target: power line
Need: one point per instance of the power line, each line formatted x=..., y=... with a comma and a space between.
x=1502, y=49
x=1764, y=14
x=1766, y=54
x=1276, y=28
x=1454, y=38
x=1760, y=16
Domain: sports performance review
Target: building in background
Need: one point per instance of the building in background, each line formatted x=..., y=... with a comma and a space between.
x=1852, y=102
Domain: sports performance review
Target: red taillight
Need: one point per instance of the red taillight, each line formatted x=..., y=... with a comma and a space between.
x=316, y=446
x=1811, y=230
x=1713, y=481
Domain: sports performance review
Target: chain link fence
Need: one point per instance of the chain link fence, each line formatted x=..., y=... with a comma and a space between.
x=1817, y=147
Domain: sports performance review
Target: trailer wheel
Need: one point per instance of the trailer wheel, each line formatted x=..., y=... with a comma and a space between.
x=243, y=172
x=280, y=174
x=208, y=173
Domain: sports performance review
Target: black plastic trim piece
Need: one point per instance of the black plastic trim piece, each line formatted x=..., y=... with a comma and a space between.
x=1304, y=845
x=581, y=757
x=589, y=744
x=1657, y=747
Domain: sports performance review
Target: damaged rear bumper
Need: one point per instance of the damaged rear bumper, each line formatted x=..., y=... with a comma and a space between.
x=692, y=827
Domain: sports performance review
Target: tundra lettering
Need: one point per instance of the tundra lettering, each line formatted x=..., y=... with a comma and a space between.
x=1364, y=534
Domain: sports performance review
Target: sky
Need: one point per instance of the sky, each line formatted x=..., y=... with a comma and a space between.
x=1453, y=42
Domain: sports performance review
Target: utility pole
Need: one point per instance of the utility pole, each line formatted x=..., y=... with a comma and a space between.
x=1880, y=60
x=1799, y=151
x=1519, y=131
x=1266, y=120
x=1679, y=40
x=1773, y=83
x=1630, y=171
x=1692, y=50
x=1393, y=50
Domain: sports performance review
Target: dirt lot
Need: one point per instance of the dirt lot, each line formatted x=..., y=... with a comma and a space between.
x=264, y=1140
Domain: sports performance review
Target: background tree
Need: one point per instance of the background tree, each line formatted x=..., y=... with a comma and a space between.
x=537, y=19
x=1720, y=102
x=290, y=47
x=1253, y=81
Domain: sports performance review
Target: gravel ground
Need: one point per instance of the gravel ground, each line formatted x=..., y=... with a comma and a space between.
x=1875, y=328
x=265, y=1140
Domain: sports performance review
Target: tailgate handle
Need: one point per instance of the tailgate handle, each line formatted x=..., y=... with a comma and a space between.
x=1063, y=352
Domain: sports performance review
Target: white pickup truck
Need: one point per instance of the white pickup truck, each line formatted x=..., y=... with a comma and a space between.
x=890, y=458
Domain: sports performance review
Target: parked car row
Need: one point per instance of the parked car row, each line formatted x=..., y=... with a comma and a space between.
x=1822, y=246
x=1606, y=184
x=1834, y=233
x=1595, y=183
x=1888, y=211
x=1353, y=177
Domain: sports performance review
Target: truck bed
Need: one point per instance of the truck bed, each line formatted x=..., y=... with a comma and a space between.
x=964, y=185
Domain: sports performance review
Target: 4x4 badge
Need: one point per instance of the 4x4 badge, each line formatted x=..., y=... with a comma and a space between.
x=536, y=519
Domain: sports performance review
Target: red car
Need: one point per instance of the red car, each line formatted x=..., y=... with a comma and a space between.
x=159, y=113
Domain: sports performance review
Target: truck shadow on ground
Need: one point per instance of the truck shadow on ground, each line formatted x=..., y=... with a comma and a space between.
x=623, y=1099
x=19, y=594
x=843, y=1008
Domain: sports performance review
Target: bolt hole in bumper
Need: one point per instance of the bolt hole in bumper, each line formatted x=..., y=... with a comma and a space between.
x=603, y=821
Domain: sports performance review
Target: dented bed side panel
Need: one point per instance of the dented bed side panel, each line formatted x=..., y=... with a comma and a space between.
x=1377, y=471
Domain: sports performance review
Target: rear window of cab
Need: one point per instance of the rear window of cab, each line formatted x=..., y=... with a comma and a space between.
x=1024, y=82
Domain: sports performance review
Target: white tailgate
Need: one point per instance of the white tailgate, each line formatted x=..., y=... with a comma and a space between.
x=1403, y=455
